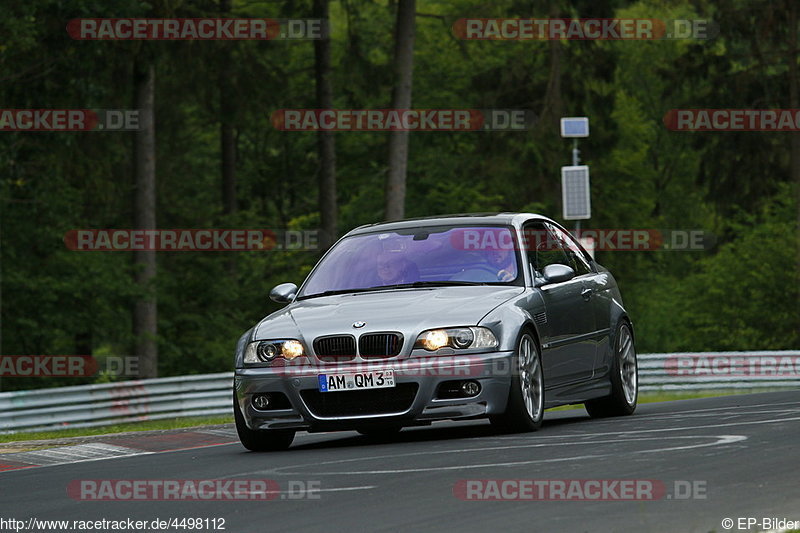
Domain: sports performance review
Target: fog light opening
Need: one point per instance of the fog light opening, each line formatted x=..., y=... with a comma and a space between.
x=262, y=401
x=471, y=388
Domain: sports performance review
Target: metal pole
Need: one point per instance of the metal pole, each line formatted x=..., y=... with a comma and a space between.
x=575, y=153
x=575, y=162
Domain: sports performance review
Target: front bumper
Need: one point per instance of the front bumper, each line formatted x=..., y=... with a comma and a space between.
x=490, y=370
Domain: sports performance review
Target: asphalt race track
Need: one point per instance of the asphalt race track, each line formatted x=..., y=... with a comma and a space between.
x=732, y=457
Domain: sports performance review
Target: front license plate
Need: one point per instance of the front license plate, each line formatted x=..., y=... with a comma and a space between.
x=356, y=381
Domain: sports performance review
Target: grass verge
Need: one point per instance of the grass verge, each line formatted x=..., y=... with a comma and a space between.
x=170, y=423
x=652, y=397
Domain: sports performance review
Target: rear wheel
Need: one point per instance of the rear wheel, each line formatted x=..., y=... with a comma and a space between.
x=624, y=379
x=525, y=408
x=263, y=440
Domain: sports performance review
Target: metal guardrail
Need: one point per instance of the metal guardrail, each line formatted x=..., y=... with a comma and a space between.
x=210, y=394
x=103, y=404
x=693, y=371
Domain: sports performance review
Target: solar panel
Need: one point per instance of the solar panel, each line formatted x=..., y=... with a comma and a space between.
x=575, y=127
x=577, y=202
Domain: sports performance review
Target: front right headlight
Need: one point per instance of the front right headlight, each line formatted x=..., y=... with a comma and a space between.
x=460, y=338
x=268, y=351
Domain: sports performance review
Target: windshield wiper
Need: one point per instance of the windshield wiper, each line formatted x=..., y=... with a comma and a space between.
x=396, y=286
x=332, y=292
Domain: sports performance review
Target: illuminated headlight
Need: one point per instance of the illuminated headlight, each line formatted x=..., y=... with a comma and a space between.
x=434, y=339
x=266, y=351
x=291, y=349
x=460, y=338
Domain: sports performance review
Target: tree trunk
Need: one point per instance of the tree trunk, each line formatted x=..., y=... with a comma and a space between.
x=145, y=311
x=326, y=144
x=552, y=109
x=401, y=99
x=794, y=103
x=228, y=146
x=227, y=129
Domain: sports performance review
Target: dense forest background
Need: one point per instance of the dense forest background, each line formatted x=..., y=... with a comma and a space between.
x=220, y=163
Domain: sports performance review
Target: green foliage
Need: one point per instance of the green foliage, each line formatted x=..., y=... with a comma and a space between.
x=745, y=297
x=742, y=294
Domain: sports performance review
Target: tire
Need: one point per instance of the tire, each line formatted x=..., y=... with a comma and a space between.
x=624, y=379
x=525, y=408
x=271, y=440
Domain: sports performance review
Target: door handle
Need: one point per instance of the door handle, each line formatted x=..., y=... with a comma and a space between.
x=587, y=294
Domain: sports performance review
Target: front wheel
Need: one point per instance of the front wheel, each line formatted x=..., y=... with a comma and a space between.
x=624, y=379
x=269, y=440
x=525, y=409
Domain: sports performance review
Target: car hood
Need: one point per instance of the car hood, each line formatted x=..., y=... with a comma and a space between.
x=406, y=310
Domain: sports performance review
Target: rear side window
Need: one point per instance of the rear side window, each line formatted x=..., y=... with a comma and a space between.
x=542, y=248
x=572, y=250
x=546, y=244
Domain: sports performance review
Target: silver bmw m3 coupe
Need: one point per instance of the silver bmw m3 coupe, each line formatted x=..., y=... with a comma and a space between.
x=496, y=316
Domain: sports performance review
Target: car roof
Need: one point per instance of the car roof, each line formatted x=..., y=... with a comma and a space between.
x=504, y=218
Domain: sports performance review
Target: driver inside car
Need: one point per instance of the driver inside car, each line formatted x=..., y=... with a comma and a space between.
x=394, y=269
x=504, y=261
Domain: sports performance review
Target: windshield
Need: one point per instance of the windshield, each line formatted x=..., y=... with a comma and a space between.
x=465, y=255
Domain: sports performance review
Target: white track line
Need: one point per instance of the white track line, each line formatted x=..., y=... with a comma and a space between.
x=721, y=440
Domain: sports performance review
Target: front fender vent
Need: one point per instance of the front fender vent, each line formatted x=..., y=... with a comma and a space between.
x=540, y=318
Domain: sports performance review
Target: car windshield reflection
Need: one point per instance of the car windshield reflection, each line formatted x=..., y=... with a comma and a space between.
x=422, y=257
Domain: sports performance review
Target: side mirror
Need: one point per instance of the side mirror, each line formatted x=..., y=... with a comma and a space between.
x=283, y=293
x=556, y=273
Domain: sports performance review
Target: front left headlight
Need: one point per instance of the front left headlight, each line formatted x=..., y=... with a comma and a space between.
x=459, y=338
x=268, y=351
